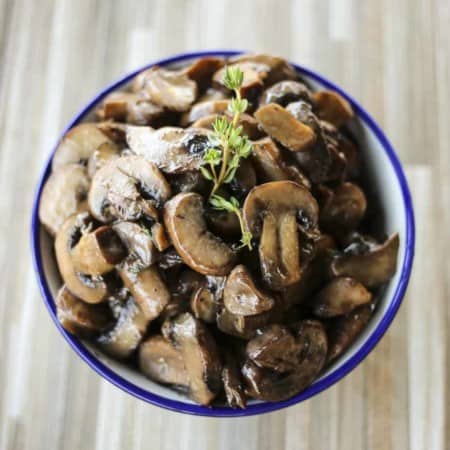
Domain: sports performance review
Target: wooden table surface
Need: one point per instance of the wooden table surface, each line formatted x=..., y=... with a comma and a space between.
x=393, y=56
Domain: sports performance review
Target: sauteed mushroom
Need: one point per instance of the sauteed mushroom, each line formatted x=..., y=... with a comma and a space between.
x=64, y=194
x=272, y=212
x=199, y=248
x=232, y=381
x=332, y=107
x=200, y=355
x=372, y=268
x=285, y=92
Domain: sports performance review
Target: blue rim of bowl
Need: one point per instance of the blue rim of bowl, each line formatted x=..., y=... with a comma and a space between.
x=257, y=408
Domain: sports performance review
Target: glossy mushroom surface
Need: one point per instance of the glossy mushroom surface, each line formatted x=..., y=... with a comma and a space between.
x=157, y=274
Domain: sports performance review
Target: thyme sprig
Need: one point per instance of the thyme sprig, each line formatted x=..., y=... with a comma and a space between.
x=227, y=147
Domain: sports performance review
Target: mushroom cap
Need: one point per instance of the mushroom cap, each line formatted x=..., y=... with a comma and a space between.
x=340, y=296
x=205, y=108
x=333, y=108
x=90, y=290
x=203, y=305
x=372, y=268
x=64, y=194
x=100, y=156
x=200, y=355
x=119, y=189
x=232, y=381
x=242, y=297
x=282, y=126
x=285, y=92
x=78, y=144
x=171, y=149
x=162, y=362
x=202, y=69
x=199, y=248
x=279, y=197
x=148, y=289
x=171, y=89
x=127, y=333
x=78, y=317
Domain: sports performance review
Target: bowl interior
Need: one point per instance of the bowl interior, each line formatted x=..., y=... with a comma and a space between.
x=388, y=188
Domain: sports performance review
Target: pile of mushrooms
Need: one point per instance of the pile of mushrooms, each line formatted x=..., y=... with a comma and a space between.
x=155, y=276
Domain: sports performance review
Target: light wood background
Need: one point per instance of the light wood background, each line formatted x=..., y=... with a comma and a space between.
x=393, y=56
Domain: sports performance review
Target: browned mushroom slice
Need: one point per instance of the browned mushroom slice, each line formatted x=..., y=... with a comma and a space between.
x=202, y=69
x=285, y=92
x=275, y=348
x=168, y=88
x=127, y=333
x=340, y=296
x=89, y=289
x=199, y=248
x=78, y=144
x=332, y=107
x=162, y=362
x=172, y=149
x=203, y=109
x=246, y=121
x=242, y=297
x=125, y=187
x=78, y=317
x=270, y=165
x=200, y=355
x=100, y=156
x=232, y=382
x=114, y=130
x=204, y=305
x=138, y=241
x=279, y=68
x=253, y=81
x=281, y=125
x=159, y=237
x=148, y=289
x=271, y=211
x=344, y=208
x=372, y=268
x=129, y=107
x=98, y=252
x=64, y=194
x=213, y=94
x=270, y=385
x=344, y=330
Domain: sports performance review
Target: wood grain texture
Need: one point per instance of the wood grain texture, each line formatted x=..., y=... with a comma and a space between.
x=394, y=57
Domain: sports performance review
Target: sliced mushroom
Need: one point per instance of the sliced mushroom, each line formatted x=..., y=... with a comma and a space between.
x=281, y=125
x=344, y=330
x=89, y=289
x=162, y=362
x=126, y=335
x=271, y=212
x=115, y=131
x=129, y=107
x=202, y=70
x=78, y=317
x=172, y=149
x=340, y=296
x=275, y=348
x=204, y=305
x=332, y=107
x=285, y=92
x=142, y=252
x=168, y=88
x=64, y=194
x=270, y=385
x=125, y=188
x=200, y=355
x=279, y=68
x=148, y=289
x=100, y=156
x=98, y=251
x=199, y=248
x=78, y=144
x=159, y=237
x=232, y=382
x=192, y=181
x=270, y=165
x=344, y=209
x=373, y=268
x=203, y=109
x=246, y=121
x=242, y=297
